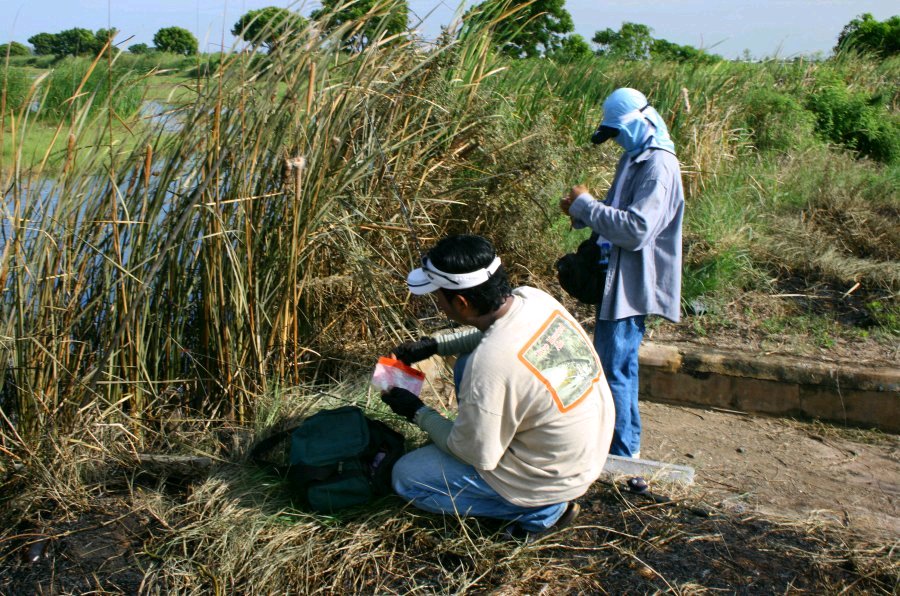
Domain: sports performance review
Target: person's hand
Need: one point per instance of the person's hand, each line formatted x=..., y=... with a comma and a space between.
x=411, y=352
x=577, y=190
x=402, y=402
x=566, y=202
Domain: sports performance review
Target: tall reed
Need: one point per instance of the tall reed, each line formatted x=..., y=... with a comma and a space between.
x=190, y=271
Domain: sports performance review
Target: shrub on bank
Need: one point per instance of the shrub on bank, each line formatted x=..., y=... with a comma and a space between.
x=34, y=61
x=72, y=77
x=777, y=121
x=163, y=62
x=855, y=119
x=14, y=83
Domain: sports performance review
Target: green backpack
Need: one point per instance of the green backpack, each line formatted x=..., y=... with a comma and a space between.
x=338, y=458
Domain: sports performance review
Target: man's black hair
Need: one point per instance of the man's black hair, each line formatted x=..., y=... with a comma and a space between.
x=464, y=253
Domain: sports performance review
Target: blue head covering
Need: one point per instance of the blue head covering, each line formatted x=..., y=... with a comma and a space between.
x=640, y=126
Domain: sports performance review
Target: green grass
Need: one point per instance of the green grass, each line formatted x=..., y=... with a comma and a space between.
x=886, y=316
x=53, y=142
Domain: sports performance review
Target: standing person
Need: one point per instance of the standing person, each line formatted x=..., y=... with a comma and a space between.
x=639, y=229
x=535, y=415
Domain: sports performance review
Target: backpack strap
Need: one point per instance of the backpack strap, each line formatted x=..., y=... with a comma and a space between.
x=266, y=445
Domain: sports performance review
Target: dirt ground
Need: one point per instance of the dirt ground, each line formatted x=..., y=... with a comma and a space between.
x=782, y=468
x=804, y=471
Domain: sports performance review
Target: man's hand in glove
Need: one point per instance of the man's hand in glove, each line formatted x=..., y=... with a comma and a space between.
x=412, y=351
x=402, y=402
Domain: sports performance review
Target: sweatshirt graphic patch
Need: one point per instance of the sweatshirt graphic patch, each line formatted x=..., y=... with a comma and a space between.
x=562, y=357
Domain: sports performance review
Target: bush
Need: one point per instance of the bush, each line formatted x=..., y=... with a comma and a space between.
x=140, y=48
x=777, y=121
x=885, y=314
x=159, y=61
x=14, y=49
x=715, y=277
x=206, y=66
x=855, y=119
x=14, y=81
x=65, y=79
x=867, y=35
x=33, y=61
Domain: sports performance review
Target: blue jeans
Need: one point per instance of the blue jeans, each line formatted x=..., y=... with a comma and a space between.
x=459, y=367
x=438, y=482
x=617, y=344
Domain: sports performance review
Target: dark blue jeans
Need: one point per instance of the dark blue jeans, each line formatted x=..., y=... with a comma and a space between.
x=617, y=344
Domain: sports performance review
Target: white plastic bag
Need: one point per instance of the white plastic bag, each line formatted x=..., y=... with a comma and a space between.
x=390, y=373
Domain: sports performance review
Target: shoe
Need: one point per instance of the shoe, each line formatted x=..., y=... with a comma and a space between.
x=638, y=485
x=518, y=533
x=565, y=520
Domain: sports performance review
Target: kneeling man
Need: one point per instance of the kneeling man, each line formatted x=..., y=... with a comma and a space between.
x=535, y=416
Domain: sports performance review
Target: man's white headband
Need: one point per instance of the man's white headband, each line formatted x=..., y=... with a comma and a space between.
x=428, y=278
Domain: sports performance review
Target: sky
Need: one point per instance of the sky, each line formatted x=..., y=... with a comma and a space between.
x=765, y=28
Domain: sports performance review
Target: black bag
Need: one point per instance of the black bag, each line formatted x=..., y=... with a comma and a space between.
x=581, y=274
x=338, y=458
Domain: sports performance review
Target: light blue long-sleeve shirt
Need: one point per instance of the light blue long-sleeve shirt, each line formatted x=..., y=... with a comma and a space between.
x=644, y=275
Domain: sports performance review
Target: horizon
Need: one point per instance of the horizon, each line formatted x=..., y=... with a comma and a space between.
x=764, y=28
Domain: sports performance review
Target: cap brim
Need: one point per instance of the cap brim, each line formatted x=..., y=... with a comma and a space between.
x=419, y=283
x=603, y=134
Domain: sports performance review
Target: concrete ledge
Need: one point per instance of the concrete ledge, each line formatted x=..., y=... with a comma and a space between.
x=617, y=465
x=779, y=385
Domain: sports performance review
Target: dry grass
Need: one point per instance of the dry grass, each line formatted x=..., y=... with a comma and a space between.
x=231, y=532
x=103, y=523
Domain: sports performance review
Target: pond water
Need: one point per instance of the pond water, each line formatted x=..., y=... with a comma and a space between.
x=157, y=112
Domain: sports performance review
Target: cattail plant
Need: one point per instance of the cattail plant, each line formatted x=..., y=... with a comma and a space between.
x=145, y=269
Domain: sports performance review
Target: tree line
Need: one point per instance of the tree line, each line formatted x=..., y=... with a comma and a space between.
x=522, y=30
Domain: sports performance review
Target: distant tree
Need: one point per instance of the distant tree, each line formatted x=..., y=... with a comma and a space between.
x=71, y=42
x=529, y=29
x=865, y=34
x=175, y=40
x=104, y=35
x=268, y=26
x=140, y=48
x=43, y=43
x=14, y=48
x=390, y=14
x=632, y=42
x=666, y=50
x=76, y=42
x=572, y=48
